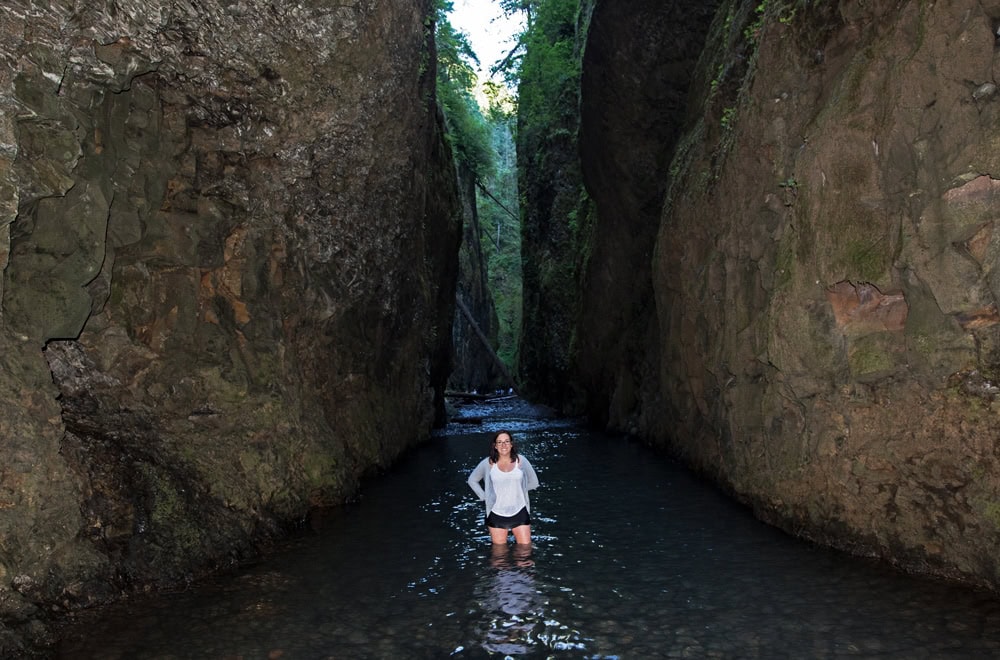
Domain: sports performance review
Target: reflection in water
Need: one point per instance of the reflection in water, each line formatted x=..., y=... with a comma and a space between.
x=512, y=603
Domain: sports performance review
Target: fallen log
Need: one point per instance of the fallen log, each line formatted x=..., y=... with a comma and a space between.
x=476, y=396
x=485, y=341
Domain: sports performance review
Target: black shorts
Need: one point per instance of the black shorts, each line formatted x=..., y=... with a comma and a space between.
x=509, y=522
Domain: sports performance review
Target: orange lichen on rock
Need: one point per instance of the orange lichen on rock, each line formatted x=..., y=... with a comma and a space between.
x=977, y=319
x=980, y=190
x=978, y=244
x=862, y=308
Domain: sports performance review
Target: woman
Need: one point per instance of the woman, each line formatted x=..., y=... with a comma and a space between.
x=508, y=478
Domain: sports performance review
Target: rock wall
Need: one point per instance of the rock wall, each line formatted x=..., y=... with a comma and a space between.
x=229, y=239
x=556, y=213
x=825, y=275
x=474, y=366
x=629, y=126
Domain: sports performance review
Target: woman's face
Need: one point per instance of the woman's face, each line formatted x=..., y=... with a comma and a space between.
x=503, y=443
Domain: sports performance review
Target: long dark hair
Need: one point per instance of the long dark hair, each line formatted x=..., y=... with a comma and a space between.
x=494, y=454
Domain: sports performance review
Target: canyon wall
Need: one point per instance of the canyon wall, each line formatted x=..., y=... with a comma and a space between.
x=229, y=239
x=556, y=214
x=825, y=269
x=475, y=328
x=629, y=126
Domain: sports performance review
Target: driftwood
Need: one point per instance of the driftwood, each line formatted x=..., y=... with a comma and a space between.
x=476, y=396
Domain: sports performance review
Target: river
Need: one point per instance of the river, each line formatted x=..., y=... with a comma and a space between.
x=633, y=557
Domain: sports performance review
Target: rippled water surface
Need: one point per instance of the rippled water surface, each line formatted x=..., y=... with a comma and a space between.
x=632, y=558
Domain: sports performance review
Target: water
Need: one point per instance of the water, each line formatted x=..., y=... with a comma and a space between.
x=632, y=558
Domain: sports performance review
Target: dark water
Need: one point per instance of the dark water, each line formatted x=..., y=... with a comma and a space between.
x=632, y=558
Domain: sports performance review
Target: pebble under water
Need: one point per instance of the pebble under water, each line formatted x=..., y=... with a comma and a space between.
x=632, y=558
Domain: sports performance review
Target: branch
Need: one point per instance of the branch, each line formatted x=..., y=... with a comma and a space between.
x=498, y=202
x=506, y=61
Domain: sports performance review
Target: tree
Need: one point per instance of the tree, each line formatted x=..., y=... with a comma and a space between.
x=468, y=132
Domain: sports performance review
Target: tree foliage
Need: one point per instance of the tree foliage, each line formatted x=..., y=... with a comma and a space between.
x=468, y=131
x=549, y=71
x=544, y=66
x=557, y=214
x=499, y=215
x=483, y=140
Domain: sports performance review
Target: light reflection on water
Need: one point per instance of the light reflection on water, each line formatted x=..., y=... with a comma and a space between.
x=632, y=558
x=513, y=602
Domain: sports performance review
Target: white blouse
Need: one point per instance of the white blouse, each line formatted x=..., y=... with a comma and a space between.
x=507, y=485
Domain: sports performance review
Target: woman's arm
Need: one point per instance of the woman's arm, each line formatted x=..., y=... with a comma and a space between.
x=479, y=474
x=530, y=478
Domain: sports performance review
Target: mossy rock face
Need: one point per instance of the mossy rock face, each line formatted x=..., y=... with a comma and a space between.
x=937, y=348
x=874, y=356
x=988, y=343
x=243, y=283
x=805, y=345
x=825, y=173
x=474, y=368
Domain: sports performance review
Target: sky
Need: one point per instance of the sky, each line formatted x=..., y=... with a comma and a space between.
x=490, y=33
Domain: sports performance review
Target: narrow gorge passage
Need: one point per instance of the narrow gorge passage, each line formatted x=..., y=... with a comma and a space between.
x=632, y=558
x=248, y=247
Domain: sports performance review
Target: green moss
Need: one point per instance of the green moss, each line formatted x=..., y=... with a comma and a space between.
x=870, y=358
x=991, y=511
x=922, y=344
x=784, y=264
x=727, y=25
x=752, y=31
x=728, y=120
x=224, y=391
x=865, y=260
x=720, y=75
x=321, y=472
x=267, y=368
x=169, y=512
x=250, y=461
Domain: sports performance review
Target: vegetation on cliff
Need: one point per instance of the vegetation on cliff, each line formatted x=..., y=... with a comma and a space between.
x=499, y=217
x=535, y=218
x=468, y=132
x=556, y=212
x=482, y=141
